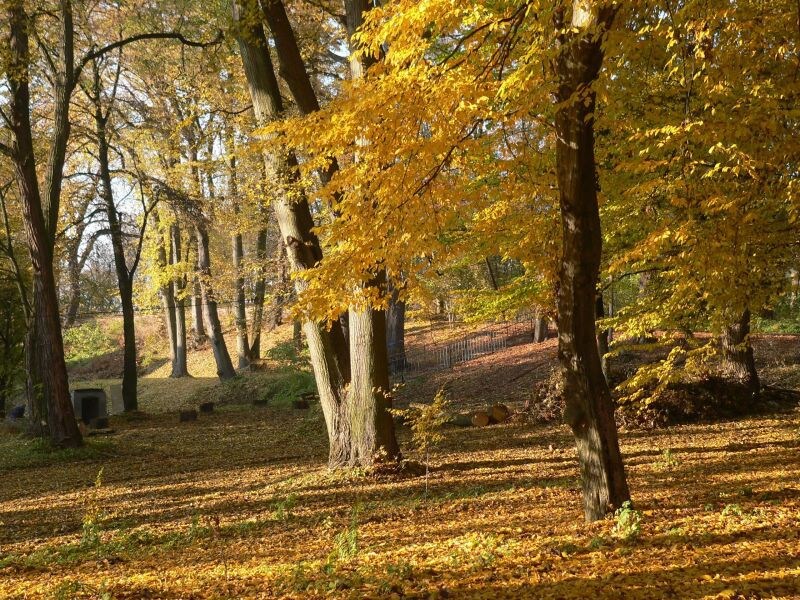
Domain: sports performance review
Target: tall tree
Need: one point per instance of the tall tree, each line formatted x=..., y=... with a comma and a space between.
x=360, y=430
x=51, y=402
x=589, y=411
x=103, y=110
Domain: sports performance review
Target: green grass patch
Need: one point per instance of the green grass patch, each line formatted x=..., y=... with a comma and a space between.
x=20, y=452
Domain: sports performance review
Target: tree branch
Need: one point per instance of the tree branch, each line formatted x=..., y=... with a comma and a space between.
x=162, y=35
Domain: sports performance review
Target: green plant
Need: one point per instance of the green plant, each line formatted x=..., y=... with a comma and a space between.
x=597, y=542
x=345, y=543
x=92, y=518
x=627, y=522
x=732, y=510
x=426, y=421
x=287, y=352
x=88, y=341
x=289, y=385
x=196, y=530
x=668, y=460
x=20, y=452
x=281, y=509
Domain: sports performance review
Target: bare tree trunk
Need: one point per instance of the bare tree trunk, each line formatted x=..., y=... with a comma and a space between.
x=199, y=335
x=589, y=411
x=602, y=335
x=737, y=354
x=242, y=345
x=259, y=294
x=74, y=291
x=124, y=275
x=164, y=258
x=395, y=332
x=36, y=403
x=539, y=327
x=180, y=366
x=367, y=432
x=225, y=368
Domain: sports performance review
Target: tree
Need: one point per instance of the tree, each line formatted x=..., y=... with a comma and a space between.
x=589, y=411
x=360, y=429
x=45, y=344
x=49, y=388
x=103, y=112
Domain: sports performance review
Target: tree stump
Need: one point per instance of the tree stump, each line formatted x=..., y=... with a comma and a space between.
x=187, y=415
x=481, y=419
x=500, y=413
x=207, y=408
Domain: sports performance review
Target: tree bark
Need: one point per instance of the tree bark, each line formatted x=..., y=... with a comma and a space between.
x=76, y=260
x=199, y=335
x=180, y=367
x=367, y=431
x=237, y=252
x=738, y=361
x=602, y=335
x=395, y=332
x=259, y=294
x=539, y=327
x=242, y=344
x=225, y=368
x=589, y=411
x=164, y=259
x=46, y=348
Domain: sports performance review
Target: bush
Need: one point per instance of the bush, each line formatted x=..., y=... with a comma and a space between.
x=86, y=342
x=627, y=526
x=287, y=386
x=277, y=388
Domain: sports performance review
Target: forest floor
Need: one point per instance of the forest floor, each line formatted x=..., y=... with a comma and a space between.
x=239, y=504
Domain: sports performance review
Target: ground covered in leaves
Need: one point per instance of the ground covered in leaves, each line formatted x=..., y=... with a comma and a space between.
x=240, y=505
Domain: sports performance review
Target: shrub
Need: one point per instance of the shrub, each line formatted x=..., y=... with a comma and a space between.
x=627, y=526
x=87, y=341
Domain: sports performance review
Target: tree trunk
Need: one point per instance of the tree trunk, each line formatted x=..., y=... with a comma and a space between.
x=199, y=335
x=589, y=411
x=225, y=368
x=129, y=366
x=259, y=294
x=36, y=404
x=180, y=366
x=167, y=292
x=74, y=291
x=395, y=332
x=124, y=276
x=367, y=432
x=737, y=354
x=602, y=335
x=242, y=345
x=539, y=327
x=47, y=347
